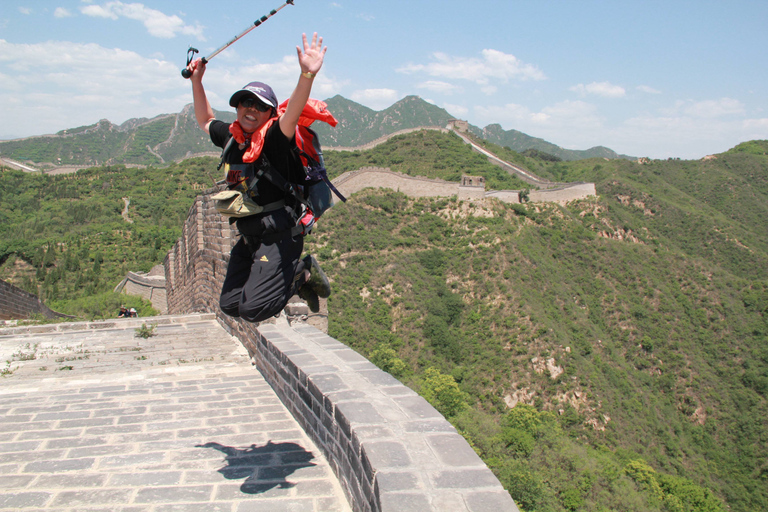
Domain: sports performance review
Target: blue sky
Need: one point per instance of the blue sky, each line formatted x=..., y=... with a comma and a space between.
x=653, y=78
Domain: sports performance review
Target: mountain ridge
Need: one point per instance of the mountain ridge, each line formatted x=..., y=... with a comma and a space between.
x=170, y=137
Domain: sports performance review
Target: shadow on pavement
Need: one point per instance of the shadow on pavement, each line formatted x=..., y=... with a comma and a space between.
x=264, y=467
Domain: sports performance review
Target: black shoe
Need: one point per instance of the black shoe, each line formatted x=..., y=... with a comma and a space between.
x=318, y=281
x=310, y=297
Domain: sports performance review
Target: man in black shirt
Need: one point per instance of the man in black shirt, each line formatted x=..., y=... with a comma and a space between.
x=265, y=266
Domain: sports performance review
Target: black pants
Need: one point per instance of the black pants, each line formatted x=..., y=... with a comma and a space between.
x=259, y=284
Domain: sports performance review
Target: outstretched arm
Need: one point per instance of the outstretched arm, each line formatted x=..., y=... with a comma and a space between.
x=203, y=111
x=310, y=60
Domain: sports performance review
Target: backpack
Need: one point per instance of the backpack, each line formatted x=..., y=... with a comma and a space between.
x=318, y=187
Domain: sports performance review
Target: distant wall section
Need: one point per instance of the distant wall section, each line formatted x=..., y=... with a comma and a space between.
x=149, y=286
x=469, y=189
x=16, y=304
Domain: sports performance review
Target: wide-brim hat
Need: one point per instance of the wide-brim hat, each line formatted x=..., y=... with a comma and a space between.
x=261, y=91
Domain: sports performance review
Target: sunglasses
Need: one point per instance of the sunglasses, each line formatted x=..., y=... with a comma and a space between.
x=254, y=103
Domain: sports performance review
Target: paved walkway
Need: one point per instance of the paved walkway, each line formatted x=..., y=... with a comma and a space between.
x=93, y=418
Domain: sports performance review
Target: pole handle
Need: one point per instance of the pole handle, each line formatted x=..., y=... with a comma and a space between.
x=186, y=73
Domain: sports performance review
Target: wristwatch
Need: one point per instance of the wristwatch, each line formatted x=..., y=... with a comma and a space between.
x=309, y=75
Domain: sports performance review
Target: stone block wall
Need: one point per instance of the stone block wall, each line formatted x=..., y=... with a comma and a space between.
x=413, y=186
x=390, y=449
x=563, y=194
x=16, y=304
x=147, y=286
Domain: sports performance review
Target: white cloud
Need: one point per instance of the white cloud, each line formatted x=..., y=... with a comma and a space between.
x=61, y=12
x=457, y=110
x=760, y=125
x=493, y=65
x=439, y=87
x=25, y=10
x=376, y=99
x=157, y=23
x=647, y=89
x=603, y=89
x=715, y=108
x=56, y=85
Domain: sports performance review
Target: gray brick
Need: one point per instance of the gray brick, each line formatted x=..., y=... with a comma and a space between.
x=16, y=481
x=380, y=378
x=71, y=480
x=86, y=423
x=499, y=501
x=92, y=497
x=445, y=501
x=386, y=454
x=194, y=493
x=195, y=507
x=282, y=505
x=49, y=434
x=25, y=446
x=256, y=489
x=429, y=425
x=146, y=479
x=404, y=502
x=418, y=408
x=97, y=451
x=21, y=500
x=23, y=427
x=145, y=418
x=465, y=479
x=139, y=459
x=55, y=466
x=398, y=481
x=359, y=412
x=453, y=450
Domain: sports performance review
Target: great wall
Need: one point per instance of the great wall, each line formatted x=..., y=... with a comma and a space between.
x=389, y=449
x=543, y=190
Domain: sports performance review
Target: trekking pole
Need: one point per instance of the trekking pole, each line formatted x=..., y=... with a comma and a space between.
x=192, y=51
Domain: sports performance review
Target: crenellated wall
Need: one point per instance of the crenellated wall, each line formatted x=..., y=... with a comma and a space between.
x=389, y=448
x=417, y=186
x=149, y=286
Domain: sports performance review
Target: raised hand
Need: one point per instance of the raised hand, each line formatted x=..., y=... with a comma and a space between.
x=311, y=57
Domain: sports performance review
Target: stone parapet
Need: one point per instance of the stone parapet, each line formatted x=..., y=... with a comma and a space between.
x=16, y=304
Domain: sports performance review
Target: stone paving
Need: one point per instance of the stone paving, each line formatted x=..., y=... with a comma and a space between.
x=94, y=418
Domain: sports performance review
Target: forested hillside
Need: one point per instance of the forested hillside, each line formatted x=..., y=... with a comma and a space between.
x=634, y=325
x=65, y=238
x=628, y=331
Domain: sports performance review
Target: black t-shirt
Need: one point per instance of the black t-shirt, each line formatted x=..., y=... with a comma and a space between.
x=278, y=150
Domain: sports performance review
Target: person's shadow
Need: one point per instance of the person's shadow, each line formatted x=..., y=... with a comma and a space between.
x=263, y=467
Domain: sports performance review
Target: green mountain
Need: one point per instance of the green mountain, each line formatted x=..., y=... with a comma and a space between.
x=171, y=137
x=629, y=331
x=519, y=141
x=157, y=141
x=359, y=125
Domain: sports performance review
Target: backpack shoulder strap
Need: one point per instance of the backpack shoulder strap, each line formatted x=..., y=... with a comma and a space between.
x=225, y=152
